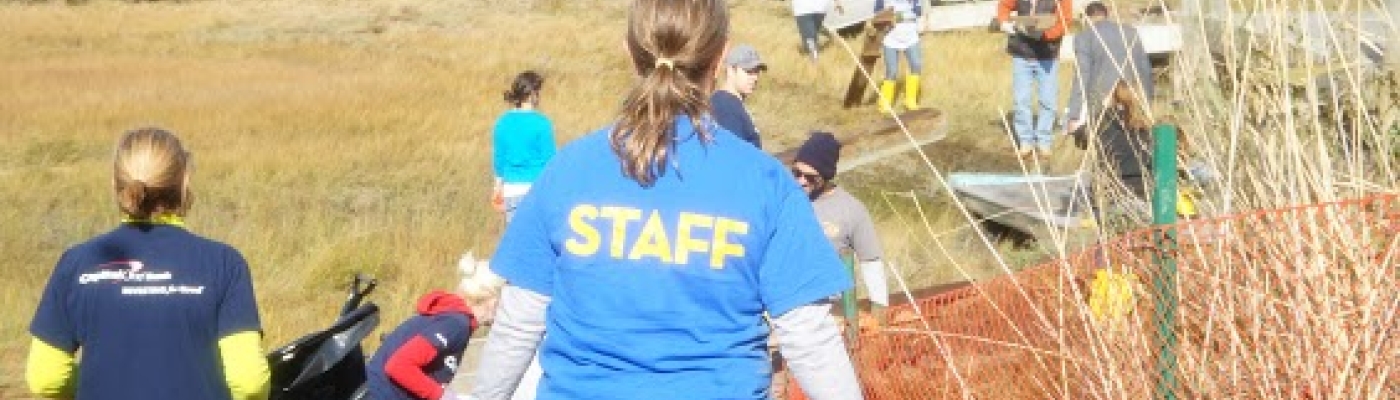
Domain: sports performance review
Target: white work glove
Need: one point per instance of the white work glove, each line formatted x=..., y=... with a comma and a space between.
x=876, y=286
x=1008, y=27
x=1073, y=125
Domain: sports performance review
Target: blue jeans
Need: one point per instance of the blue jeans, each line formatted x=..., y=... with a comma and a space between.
x=913, y=54
x=1034, y=128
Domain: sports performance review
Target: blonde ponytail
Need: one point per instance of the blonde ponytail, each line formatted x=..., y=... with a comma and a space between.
x=150, y=174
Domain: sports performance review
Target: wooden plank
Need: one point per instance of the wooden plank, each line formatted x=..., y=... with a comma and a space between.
x=939, y=15
x=928, y=125
x=961, y=16
x=853, y=12
x=939, y=132
x=869, y=55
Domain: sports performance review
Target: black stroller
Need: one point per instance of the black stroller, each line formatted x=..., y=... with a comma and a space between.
x=328, y=364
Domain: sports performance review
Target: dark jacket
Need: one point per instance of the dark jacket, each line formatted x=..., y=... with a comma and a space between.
x=1039, y=44
x=1127, y=151
x=731, y=115
x=421, y=355
x=1123, y=153
x=1105, y=53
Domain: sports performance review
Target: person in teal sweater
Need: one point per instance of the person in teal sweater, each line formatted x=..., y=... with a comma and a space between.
x=523, y=142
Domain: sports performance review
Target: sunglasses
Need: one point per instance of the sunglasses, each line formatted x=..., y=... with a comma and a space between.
x=797, y=173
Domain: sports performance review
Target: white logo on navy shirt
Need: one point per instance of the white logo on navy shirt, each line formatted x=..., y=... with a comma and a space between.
x=133, y=271
x=451, y=363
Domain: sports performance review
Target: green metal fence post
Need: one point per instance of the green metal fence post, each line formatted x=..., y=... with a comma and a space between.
x=848, y=303
x=1164, y=197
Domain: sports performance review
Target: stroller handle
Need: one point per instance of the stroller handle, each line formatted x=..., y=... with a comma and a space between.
x=360, y=288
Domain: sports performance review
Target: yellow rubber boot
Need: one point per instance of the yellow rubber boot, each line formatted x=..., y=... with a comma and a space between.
x=886, y=96
x=911, y=92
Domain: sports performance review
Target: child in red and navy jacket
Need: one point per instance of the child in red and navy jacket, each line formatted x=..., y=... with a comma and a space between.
x=419, y=358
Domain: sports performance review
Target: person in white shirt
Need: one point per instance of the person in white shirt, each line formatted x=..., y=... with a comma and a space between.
x=903, y=38
x=809, y=15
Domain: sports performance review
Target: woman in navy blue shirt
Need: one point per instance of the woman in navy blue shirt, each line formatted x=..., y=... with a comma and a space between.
x=157, y=311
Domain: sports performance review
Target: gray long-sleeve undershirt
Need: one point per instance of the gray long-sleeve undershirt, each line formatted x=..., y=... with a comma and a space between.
x=812, y=346
x=515, y=334
x=809, y=340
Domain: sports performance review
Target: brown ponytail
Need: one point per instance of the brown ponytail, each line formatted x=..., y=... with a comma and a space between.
x=675, y=47
x=526, y=86
x=150, y=174
x=1131, y=109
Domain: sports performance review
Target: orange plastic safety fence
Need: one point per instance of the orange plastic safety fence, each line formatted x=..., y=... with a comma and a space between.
x=1263, y=299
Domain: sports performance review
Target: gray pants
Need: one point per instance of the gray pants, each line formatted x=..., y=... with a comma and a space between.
x=511, y=204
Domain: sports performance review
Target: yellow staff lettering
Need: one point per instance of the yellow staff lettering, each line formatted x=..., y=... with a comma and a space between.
x=655, y=237
x=721, y=246
x=685, y=236
x=578, y=221
x=620, y=216
x=652, y=241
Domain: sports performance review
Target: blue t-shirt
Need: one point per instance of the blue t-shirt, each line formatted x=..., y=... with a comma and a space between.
x=658, y=292
x=730, y=113
x=147, y=304
x=523, y=142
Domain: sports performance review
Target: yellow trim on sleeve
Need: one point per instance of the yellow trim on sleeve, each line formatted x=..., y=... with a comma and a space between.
x=51, y=372
x=245, y=367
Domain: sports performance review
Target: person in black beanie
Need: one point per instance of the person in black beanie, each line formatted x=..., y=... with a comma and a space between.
x=817, y=158
x=843, y=218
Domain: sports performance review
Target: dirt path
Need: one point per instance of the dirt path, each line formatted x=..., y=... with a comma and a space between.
x=466, y=374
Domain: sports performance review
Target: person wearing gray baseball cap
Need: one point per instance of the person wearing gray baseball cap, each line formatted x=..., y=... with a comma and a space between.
x=742, y=66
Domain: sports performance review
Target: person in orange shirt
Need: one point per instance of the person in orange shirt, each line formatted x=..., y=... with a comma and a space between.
x=1033, y=41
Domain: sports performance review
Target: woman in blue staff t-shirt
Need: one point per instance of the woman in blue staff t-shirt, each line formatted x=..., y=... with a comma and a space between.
x=157, y=311
x=651, y=250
